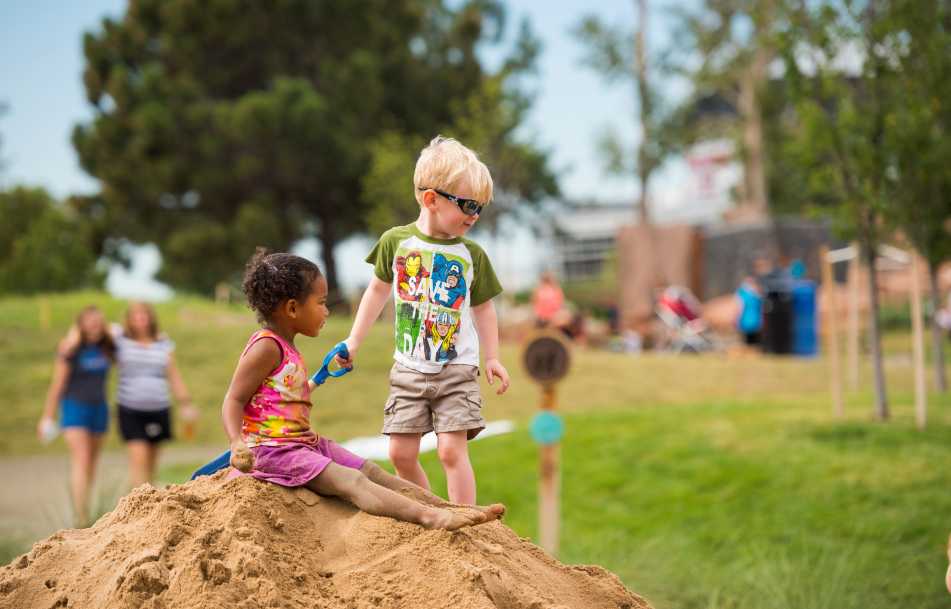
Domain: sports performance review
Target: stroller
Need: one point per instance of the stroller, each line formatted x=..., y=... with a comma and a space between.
x=684, y=330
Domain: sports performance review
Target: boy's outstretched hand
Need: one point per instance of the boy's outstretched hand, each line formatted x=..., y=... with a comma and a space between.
x=352, y=351
x=494, y=369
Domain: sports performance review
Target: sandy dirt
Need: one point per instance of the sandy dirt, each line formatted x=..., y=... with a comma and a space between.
x=249, y=544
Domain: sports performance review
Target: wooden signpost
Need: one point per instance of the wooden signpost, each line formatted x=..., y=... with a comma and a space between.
x=547, y=359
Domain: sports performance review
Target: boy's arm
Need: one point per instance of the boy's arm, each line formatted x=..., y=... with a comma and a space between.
x=487, y=325
x=253, y=368
x=375, y=296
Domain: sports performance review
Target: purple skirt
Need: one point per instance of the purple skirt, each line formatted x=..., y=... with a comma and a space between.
x=296, y=464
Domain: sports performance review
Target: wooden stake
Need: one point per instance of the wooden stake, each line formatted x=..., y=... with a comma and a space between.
x=855, y=266
x=918, y=345
x=549, y=482
x=832, y=310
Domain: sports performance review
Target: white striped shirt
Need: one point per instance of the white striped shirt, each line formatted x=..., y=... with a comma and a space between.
x=143, y=372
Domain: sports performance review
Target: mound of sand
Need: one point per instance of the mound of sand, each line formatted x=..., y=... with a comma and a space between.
x=249, y=544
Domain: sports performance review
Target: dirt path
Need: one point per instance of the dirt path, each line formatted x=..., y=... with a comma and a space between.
x=35, y=502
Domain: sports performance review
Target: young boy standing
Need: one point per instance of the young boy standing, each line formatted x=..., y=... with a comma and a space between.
x=442, y=286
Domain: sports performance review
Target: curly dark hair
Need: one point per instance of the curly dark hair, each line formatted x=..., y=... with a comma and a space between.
x=271, y=278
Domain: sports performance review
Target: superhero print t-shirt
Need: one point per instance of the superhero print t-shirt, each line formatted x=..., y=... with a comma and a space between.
x=435, y=282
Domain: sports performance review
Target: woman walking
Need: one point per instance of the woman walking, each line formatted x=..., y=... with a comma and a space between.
x=78, y=389
x=147, y=373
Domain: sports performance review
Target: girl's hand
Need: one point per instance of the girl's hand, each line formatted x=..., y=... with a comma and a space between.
x=47, y=429
x=495, y=369
x=242, y=459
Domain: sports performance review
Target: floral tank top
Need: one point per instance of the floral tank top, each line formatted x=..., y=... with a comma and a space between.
x=279, y=411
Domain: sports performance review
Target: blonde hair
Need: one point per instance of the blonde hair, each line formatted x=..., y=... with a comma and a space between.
x=445, y=162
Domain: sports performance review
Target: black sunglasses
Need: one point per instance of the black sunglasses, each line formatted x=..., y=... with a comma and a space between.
x=469, y=207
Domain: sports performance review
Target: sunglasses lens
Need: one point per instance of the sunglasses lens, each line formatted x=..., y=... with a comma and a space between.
x=472, y=208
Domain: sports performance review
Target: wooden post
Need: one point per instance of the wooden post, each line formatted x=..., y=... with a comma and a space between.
x=855, y=267
x=918, y=344
x=547, y=359
x=832, y=310
x=549, y=483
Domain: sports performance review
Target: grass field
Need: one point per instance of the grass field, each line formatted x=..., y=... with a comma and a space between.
x=703, y=482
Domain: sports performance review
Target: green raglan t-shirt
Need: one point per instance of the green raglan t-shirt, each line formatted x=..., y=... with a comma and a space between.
x=436, y=282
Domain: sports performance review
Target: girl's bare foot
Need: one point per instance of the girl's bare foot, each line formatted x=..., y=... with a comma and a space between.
x=481, y=514
x=438, y=518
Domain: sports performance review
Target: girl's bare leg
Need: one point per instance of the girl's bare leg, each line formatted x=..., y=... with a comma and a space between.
x=83, y=452
x=382, y=477
x=353, y=486
x=404, y=454
x=404, y=487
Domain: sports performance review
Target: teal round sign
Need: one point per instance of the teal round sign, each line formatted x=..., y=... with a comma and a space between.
x=547, y=427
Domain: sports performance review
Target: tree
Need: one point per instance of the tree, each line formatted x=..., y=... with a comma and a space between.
x=730, y=44
x=919, y=133
x=43, y=247
x=618, y=54
x=487, y=121
x=843, y=121
x=223, y=125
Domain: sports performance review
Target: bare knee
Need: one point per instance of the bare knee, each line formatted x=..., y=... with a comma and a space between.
x=403, y=457
x=452, y=455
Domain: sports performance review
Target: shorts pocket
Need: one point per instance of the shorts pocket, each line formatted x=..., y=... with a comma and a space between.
x=474, y=401
x=390, y=406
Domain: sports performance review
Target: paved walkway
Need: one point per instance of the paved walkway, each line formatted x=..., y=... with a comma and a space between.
x=35, y=500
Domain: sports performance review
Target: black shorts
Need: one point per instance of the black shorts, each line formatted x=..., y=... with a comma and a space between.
x=752, y=338
x=150, y=425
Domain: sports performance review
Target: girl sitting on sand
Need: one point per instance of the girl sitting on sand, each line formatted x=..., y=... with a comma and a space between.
x=266, y=411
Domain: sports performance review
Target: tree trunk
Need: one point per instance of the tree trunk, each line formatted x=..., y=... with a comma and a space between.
x=328, y=241
x=644, y=163
x=881, y=399
x=751, y=110
x=937, y=334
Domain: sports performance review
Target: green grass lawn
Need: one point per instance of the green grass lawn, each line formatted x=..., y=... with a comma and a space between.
x=707, y=482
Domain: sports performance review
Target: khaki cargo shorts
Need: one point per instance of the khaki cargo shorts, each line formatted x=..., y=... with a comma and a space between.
x=448, y=400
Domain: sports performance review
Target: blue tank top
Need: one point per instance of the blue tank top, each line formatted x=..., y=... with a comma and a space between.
x=88, y=367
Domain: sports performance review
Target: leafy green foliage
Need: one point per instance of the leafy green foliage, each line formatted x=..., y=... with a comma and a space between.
x=223, y=125
x=43, y=247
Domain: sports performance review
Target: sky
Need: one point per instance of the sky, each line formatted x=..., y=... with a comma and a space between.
x=41, y=84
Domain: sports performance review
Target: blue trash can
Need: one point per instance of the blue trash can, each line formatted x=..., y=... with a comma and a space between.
x=804, y=334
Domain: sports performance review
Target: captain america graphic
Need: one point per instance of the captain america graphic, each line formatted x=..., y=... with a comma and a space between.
x=448, y=282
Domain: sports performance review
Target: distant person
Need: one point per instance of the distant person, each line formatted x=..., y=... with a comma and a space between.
x=78, y=391
x=749, y=321
x=147, y=373
x=266, y=412
x=547, y=299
